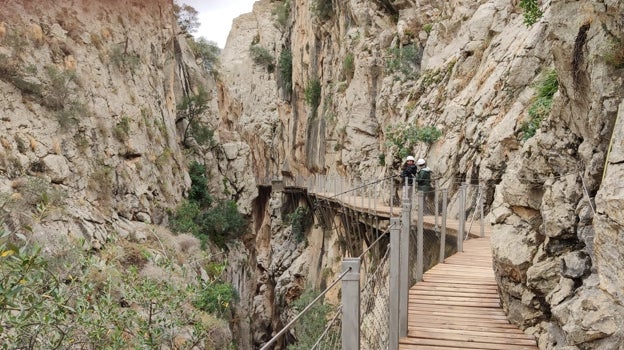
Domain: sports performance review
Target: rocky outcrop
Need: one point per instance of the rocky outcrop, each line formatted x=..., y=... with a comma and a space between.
x=474, y=75
x=89, y=103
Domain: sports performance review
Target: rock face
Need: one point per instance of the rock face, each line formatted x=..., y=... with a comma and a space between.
x=305, y=87
x=88, y=104
x=553, y=197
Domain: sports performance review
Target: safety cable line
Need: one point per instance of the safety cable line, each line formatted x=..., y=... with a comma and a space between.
x=375, y=242
x=362, y=186
x=287, y=327
x=329, y=325
x=378, y=267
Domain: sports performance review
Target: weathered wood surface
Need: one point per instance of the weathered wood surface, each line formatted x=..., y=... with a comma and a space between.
x=456, y=306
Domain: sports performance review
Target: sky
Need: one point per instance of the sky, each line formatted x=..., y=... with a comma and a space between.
x=216, y=17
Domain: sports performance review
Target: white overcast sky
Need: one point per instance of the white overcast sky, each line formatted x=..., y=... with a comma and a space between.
x=216, y=17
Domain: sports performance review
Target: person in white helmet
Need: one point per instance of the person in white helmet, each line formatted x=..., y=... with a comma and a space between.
x=408, y=171
x=408, y=175
x=423, y=176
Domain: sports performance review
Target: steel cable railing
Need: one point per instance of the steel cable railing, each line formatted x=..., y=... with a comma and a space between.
x=356, y=202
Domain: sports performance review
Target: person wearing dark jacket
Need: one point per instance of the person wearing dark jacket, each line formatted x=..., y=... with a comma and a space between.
x=423, y=176
x=408, y=175
x=409, y=170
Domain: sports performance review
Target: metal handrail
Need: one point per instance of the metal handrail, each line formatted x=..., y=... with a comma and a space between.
x=292, y=322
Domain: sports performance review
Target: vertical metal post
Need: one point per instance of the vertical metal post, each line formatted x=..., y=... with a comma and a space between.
x=395, y=261
x=435, y=205
x=362, y=194
x=404, y=270
x=443, y=226
x=376, y=197
x=481, y=200
x=419, y=237
x=351, y=304
x=461, y=216
x=391, y=196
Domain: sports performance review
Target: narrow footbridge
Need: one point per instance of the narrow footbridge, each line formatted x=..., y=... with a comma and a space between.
x=456, y=306
x=405, y=284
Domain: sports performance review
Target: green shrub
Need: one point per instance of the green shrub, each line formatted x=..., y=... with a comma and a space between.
x=403, y=59
x=348, y=66
x=122, y=59
x=313, y=94
x=614, y=55
x=427, y=28
x=261, y=56
x=199, y=185
x=122, y=129
x=222, y=223
x=207, y=51
x=191, y=109
x=59, y=88
x=311, y=325
x=285, y=70
x=216, y=298
x=541, y=106
x=281, y=13
x=532, y=11
x=300, y=220
x=322, y=9
x=404, y=137
x=185, y=219
x=78, y=300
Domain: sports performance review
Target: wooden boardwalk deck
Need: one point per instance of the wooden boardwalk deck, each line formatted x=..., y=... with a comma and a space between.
x=456, y=306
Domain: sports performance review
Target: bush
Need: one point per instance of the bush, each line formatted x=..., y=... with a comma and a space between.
x=285, y=70
x=185, y=219
x=313, y=94
x=122, y=129
x=199, y=185
x=77, y=300
x=403, y=59
x=216, y=298
x=404, y=137
x=348, y=66
x=311, y=324
x=261, y=56
x=222, y=223
x=207, y=51
x=300, y=220
x=281, y=13
x=542, y=104
x=191, y=109
x=122, y=59
x=532, y=11
x=322, y=9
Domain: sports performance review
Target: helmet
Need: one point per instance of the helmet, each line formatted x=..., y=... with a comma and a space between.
x=410, y=158
x=420, y=162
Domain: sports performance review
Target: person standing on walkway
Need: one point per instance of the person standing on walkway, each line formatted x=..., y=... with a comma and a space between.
x=423, y=181
x=423, y=176
x=408, y=174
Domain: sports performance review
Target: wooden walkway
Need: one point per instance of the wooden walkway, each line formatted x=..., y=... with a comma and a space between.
x=456, y=306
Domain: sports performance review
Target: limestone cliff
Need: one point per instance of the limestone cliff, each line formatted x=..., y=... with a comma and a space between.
x=474, y=74
x=88, y=105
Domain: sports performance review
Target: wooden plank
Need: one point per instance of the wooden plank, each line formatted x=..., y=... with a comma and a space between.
x=492, y=337
x=461, y=344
